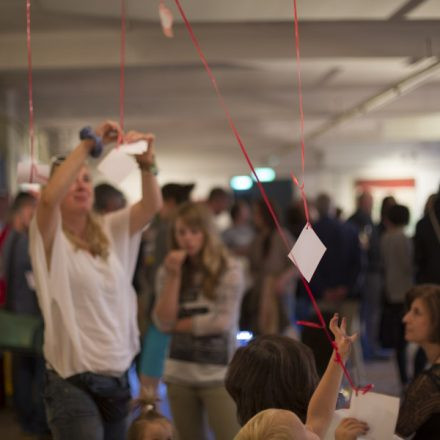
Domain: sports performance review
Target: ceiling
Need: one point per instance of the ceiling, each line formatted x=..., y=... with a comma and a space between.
x=352, y=51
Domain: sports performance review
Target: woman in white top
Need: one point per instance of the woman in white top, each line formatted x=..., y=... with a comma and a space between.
x=200, y=289
x=83, y=266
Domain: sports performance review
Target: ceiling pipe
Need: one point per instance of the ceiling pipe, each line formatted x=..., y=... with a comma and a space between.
x=375, y=102
x=379, y=100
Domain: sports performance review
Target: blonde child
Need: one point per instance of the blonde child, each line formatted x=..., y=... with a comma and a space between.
x=281, y=424
x=150, y=424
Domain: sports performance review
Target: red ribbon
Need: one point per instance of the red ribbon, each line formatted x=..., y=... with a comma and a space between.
x=260, y=186
x=231, y=123
x=30, y=90
x=122, y=72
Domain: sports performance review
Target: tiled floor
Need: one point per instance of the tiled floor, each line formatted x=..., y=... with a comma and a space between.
x=382, y=374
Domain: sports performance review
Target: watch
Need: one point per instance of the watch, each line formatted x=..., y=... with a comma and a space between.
x=88, y=133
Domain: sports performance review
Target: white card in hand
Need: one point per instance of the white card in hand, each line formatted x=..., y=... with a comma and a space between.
x=138, y=147
x=39, y=173
x=307, y=252
x=341, y=414
x=378, y=411
x=117, y=165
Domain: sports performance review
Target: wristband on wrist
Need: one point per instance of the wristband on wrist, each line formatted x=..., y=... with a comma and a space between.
x=149, y=168
x=88, y=133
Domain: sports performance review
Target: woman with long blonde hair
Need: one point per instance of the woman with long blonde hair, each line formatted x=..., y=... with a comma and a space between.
x=83, y=267
x=200, y=288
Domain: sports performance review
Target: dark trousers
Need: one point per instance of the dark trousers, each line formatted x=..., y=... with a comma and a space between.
x=28, y=382
x=73, y=413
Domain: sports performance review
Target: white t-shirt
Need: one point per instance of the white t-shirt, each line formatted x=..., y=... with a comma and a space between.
x=88, y=304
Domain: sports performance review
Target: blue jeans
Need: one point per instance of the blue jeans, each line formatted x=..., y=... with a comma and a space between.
x=73, y=414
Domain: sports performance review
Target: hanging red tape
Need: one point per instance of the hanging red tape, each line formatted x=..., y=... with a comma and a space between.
x=30, y=90
x=322, y=324
x=122, y=72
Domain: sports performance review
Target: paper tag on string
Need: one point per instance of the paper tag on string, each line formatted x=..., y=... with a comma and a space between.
x=166, y=20
x=378, y=411
x=138, y=147
x=28, y=172
x=117, y=165
x=307, y=252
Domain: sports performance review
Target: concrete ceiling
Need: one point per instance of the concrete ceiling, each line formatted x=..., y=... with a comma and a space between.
x=351, y=51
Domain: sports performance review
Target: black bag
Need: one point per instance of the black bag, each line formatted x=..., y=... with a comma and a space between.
x=111, y=394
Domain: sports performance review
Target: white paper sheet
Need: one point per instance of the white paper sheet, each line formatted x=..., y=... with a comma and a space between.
x=307, y=252
x=40, y=173
x=378, y=411
x=117, y=165
x=138, y=147
x=341, y=414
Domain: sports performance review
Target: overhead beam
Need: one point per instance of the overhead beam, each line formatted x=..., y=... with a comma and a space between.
x=97, y=48
x=408, y=7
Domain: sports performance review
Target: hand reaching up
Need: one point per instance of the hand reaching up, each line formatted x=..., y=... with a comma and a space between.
x=342, y=340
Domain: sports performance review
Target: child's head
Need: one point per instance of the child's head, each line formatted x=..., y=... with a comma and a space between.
x=272, y=371
x=275, y=424
x=151, y=424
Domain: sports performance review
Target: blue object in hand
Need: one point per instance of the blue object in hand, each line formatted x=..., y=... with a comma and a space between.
x=88, y=133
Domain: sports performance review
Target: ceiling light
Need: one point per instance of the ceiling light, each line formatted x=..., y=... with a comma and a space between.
x=265, y=174
x=241, y=183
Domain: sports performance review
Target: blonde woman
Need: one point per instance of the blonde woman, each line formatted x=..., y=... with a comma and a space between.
x=200, y=288
x=83, y=266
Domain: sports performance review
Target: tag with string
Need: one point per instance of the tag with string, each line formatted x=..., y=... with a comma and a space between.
x=29, y=171
x=307, y=252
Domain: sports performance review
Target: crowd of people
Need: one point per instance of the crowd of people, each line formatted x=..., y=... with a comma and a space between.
x=163, y=285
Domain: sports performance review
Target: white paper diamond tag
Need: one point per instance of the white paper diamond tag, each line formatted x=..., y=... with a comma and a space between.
x=307, y=252
x=34, y=172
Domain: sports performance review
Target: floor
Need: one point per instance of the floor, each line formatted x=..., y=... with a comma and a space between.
x=382, y=374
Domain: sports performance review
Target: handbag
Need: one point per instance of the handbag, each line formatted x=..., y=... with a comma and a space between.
x=20, y=332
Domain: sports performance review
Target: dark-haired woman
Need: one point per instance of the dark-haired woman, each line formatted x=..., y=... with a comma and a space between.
x=420, y=412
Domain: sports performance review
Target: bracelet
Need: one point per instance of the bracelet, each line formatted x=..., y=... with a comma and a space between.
x=149, y=168
x=87, y=133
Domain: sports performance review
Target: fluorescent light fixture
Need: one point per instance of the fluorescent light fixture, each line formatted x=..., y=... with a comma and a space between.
x=241, y=183
x=265, y=174
x=384, y=97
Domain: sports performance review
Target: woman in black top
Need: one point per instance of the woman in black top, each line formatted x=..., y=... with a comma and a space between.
x=420, y=411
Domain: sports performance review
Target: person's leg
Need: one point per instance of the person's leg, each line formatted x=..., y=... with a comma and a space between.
x=39, y=419
x=187, y=412
x=222, y=412
x=71, y=412
x=22, y=385
x=116, y=430
x=371, y=309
